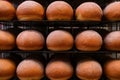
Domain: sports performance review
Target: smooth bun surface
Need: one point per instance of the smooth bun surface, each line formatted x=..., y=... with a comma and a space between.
x=30, y=11
x=112, y=41
x=30, y=40
x=59, y=10
x=59, y=40
x=59, y=70
x=7, y=40
x=88, y=11
x=112, y=11
x=7, y=69
x=89, y=70
x=30, y=70
x=7, y=10
x=112, y=69
x=88, y=40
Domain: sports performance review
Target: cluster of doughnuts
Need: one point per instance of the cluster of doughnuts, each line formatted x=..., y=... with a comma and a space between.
x=59, y=10
x=60, y=40
x=59, y=68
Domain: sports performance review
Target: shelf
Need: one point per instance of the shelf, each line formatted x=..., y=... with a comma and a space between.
x=71, y=23
x=71, y=52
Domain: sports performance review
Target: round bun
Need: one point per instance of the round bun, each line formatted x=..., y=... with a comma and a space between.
x=88, y=11
x=7, y=40
x=59, y=10
x=112, y=11
x=30, y=11
x=7, y=69
x=7, y=10
x=30, y=40
x=88, y=70
x=59, y=40
x=30, y=70
x=59, y=70
x=88, y=40
x=112, y=41
x=112, y=69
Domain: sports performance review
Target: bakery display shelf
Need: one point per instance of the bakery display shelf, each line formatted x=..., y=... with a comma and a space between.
x=62, y=52
x=71, y=23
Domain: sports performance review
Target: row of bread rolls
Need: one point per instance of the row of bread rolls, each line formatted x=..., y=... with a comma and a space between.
x=59, y=68
x=58, y=10
x=60, y=40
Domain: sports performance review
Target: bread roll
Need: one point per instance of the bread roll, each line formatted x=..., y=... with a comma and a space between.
x=88, y=11
x=7, y=69
x=30, y=70
x=112, y=41
x=59, y=70
x=30, y=11
x=30, y=40
x=112, y=69
x=7, y=40
x=88, y=70
x=59, y=40
x=112, y=11
x=88, y=40
x=7, y=10
x=59, y=10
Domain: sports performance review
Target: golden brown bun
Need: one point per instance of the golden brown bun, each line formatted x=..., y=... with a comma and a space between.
x=7, y=10
x=88, y=70
x=59, y=70
x=30, y=70
x=88, y=11
x=59, y=10
x=59, y=40
x=7, y=69
x=7, y=40
x=112, y=69
x=30, y=11
x=112, y=41
x=88, y=40
x=112, y=11
x=30, y=40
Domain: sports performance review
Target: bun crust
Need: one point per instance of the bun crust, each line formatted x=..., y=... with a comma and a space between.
x=88, y=11
x=30, y=11
x=7, y=40
x=59, y=40
x=112, y=11
x=7, y=10
x=112, y=41
x=30, y=40
x=30, y=70
x=7, y=69
x=88, y=40
x=89, y=70
x=59, y=10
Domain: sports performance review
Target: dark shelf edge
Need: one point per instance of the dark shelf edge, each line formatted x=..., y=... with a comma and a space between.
x=58, y=23
x=75, y=52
